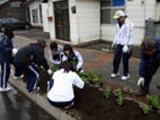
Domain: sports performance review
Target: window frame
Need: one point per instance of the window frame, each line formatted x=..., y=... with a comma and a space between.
x=111, y=8
x=35, y=21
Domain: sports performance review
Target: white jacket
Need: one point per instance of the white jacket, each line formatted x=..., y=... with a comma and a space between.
x=79, y=57
x=60, y=52
x=62, y=90
x=124, y=34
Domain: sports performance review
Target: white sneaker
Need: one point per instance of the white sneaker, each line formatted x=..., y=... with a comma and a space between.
x=18, y=77
x=5, y=89
x=125, y=77
x=113, y=75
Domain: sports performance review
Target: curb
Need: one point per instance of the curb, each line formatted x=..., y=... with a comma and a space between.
x=41, y=101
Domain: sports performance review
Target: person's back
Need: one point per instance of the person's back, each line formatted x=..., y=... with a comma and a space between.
x=63, y=86
x=61, y=93
x=31, y=53
x=24, y=55
x=156, y=55
x=149, y=63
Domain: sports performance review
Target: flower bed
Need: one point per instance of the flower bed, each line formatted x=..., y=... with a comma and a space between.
x=95, y=103
x=91, y=104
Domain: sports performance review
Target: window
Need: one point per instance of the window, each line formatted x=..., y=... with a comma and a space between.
x=108, y=8
x=35, y=15
x=40, y=9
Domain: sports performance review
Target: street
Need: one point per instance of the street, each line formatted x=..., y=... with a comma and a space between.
x=15, y=106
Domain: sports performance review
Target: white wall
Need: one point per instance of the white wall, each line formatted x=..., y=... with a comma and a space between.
x=88, y=20
x=32, y=6
x=158, y=11
x=51, y=23
x=84, y=25
x=45, y=14
x=136, y=12
x=73, y=23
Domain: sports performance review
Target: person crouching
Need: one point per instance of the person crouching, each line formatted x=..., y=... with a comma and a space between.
x=73, y=57
x=61, y=93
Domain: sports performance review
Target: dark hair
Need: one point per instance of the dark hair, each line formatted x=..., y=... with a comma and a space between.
x=68, y=47
x=40, y=43
x=8, y=31
x=149, y=44
x=53, y=46
x=65, y=65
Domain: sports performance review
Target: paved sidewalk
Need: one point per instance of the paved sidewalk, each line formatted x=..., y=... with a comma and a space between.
x=101, y=62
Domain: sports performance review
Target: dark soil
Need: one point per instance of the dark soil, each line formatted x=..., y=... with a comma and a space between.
x=101, y=45
x=92, y=105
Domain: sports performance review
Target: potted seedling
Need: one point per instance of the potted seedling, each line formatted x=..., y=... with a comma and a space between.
x=107, y=91
x=84, y=77
x=154, y=102
x=120, y=98
x=97, y=79
x=54, y=67
x=146, y=109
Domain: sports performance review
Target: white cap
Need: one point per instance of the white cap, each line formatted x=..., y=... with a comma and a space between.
x=118, y=14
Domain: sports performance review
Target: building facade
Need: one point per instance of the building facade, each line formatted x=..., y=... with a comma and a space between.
x=80, y=21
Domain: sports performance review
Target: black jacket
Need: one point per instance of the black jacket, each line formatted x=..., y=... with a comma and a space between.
x=6, y=47
x=31, y=54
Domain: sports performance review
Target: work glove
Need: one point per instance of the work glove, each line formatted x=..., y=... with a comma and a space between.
x=113, y=45
x=14, y=51
x=125, y=49
x=49, y=71
x=140, y=81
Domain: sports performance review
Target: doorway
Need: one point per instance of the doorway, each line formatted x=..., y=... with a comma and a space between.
x=62, y=27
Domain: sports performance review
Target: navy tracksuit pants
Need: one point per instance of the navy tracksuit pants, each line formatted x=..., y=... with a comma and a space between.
x=117, y=60
x=5, y=72
x=32, y=77
x=32, y=74
x=152, y=67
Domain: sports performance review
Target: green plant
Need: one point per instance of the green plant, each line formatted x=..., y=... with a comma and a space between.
x=120, y=98
x=107, y=91
x=91, y=77
x=73, y=63
x=146, y=109
x=54, y=67
x=154, y=102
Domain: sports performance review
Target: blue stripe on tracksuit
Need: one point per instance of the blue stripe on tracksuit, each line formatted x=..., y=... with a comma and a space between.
x=32, y=77
x=5, y=67
x=5, y=59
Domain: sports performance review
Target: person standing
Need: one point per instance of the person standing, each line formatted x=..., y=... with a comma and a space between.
x=122, y=44
x=6, y=58
x=149, y=63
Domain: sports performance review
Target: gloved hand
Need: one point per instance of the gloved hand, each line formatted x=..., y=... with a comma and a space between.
x=125, y=49
x=140, y=81
x=49, y=71
x=113, y=45
x=14, y=51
